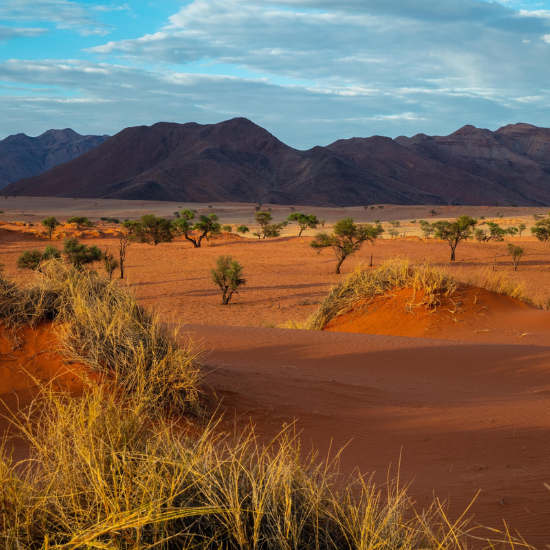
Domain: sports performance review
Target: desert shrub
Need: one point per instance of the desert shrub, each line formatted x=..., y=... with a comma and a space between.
x=393, y=233
x=243, y=229
x=305, y=221
x=30, y=259
x=177, y=214
x=521, y=228
x=426, y=227
x=79, y=254
x=206, y=226
x=50, y=223
x=347, y=239
x=80, y=221
x=227, y=228
x=432, y=212
x=363, y=285
x=496, y=233
x=517, y=253
x=455, y=232
x=228, y=276
x=395, y=224
x=480, y=236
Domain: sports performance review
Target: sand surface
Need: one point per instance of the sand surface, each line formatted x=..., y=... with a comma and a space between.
x=461, y=417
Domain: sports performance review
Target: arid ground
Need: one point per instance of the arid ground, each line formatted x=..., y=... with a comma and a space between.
x=462, y=412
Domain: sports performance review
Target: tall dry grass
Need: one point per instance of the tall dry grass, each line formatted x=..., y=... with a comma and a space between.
x=363, y=285
x=104, y=475
x=101, y=325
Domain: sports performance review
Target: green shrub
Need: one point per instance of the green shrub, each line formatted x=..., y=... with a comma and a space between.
x=228, y=276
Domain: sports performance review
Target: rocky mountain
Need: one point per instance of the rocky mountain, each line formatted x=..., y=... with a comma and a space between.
x=237, y=160
x=22, y=156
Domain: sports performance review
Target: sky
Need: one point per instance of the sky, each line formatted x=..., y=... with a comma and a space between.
x=309, y=71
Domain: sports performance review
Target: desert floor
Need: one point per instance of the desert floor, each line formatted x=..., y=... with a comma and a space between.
x=461, y=411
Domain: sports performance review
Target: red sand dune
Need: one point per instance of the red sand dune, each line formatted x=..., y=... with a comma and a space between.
x=471, y=314
x=463, y=417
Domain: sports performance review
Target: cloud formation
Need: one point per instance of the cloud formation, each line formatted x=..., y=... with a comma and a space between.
x=311, y=71
x=7, y=33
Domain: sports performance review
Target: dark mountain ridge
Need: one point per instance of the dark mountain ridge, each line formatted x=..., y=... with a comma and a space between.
x=237, y=160
x=22, y=156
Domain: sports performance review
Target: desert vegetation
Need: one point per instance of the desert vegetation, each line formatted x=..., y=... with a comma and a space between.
x=227, y=275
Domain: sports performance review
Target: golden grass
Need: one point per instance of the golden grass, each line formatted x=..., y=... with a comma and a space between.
x=105, y=474
x=110, y=470
x=496, y=281
x=366, y=284
x=101, y=325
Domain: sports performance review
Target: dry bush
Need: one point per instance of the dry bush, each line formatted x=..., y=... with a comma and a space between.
x=366, y=284
x=103, y=474
x=101, y=325
x=496, y=281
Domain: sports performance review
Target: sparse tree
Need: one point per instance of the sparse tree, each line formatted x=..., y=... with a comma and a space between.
x=228, y=276
x=512, y=231
x=243, y=229
x=393, y=233
x=206, y=226
x=395, y=224
x=496, y=233
x=454, y=232
x=130, y=232
x=517, y=253
x=432, y=212
x=347, y=239
x=541, y=229
x=322, y=223
x=227, y=228
x=267, y=229
x=521, y=228
x=304, y=221
x=110, y=263
x=427, y=228
x=80, y=221
x=79, y=254
x=50, y=223
x=480, y=236
x=155, y=230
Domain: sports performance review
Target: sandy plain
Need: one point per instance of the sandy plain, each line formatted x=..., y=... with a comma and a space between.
x=462, y=406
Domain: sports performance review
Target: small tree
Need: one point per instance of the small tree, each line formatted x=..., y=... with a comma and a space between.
x=155, y=229
x=393, y=233
x=541, y=230
x=305, y=221
x=50, y=224
x=207, y=225
x=395, y=224
x=243, y=229
x=267, y=229
x=516, y=252
x=426, y=227
x=79, y=254
x=110, y=263
x=432, y=212
x=512, y=231
x=521, y=228
x=480, y=236
x=347, y=239
x=80, y=221
x=130, y=232
x=496, y=233
x=228, y=276
x=455, y=232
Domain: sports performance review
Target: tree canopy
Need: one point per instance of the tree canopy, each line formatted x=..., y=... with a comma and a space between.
x=454, y=232
x=304, y=221
x=206, y=226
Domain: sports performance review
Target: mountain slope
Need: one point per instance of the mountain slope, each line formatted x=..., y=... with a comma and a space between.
x=237, y=160
x=22, y=156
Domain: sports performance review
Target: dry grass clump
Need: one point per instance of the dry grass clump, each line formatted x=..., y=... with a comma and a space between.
x=499, y=282
x=365, y=284
x=101, y=325
x=104, y=474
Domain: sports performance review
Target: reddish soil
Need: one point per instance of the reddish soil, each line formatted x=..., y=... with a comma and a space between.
x=465, y=416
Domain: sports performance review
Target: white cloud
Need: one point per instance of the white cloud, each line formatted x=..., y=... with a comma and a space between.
x=7, y=33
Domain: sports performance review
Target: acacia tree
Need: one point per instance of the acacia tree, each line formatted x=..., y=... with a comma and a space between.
x=110, y=263
x=541, y=229
x=206, y=226
x=521, y=228
x=80, y=221
x=454, y=232
x=154, y=230
x=517, y=253
x=347, y=239
x=426, y=227
x=243, y=229
x=267, y=229
x=130, y=232
x=50, y=223
x=304, y=221
x=228, y=276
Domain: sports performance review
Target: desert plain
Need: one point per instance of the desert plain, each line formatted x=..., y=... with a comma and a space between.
x=453, y=403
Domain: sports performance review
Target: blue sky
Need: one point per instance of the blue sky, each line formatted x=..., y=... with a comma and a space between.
x=310, y=71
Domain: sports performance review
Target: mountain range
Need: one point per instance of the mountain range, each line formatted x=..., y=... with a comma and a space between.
x=22, y=156
x=239, y=161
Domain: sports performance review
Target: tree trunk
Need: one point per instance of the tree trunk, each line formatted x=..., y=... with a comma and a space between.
x=340, y=261
x=301, y=231
x=453, y=253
